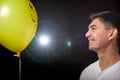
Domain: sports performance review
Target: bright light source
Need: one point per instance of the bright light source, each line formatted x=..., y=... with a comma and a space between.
x=4, y=11
x=44, y=40
x=69, y=43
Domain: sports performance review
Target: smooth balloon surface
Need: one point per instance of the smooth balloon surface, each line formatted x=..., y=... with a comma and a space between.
x=18, y=24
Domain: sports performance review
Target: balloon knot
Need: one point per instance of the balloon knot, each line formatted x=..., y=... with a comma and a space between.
x=17, y=54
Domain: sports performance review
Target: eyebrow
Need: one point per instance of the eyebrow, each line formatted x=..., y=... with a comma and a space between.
x=91, y=26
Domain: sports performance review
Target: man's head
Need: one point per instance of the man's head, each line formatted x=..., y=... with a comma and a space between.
x=104, y=28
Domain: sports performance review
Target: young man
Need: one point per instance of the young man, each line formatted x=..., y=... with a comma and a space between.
x=104, y=38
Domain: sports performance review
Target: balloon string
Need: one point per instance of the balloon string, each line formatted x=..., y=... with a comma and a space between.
x=18, y=55
x=19, y=68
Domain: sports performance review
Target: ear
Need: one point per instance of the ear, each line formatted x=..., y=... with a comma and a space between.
x=113, y=33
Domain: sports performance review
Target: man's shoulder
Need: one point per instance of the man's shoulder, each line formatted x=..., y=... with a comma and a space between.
x=91, y=66
x=89, y=71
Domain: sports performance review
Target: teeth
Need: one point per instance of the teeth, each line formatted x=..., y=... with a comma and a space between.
x=89, y=40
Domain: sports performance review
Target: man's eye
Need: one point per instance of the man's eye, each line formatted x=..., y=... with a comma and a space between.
x=93, y=28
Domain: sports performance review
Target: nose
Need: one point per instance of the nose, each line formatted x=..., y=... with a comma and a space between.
x=87, y=34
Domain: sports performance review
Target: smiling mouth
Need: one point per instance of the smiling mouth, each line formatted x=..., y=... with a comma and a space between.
x=90, y=41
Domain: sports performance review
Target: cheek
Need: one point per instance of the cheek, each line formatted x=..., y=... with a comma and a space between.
x=102, y=39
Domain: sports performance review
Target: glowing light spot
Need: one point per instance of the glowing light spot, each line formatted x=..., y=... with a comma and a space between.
x=44, y=40
x=69, y=44
x=4, y=11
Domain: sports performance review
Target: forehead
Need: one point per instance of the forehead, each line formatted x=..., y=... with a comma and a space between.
x=96, y=23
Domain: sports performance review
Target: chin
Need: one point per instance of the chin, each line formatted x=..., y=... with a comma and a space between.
x=92, y=49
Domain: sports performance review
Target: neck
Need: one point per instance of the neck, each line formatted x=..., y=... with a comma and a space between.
x=107, y=58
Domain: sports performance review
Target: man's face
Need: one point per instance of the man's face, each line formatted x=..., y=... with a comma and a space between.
x=97, y=35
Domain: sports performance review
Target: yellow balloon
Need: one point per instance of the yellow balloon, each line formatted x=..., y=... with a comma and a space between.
x=18, y=24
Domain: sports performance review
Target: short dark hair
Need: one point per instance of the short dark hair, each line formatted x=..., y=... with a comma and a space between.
x=112, y=17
